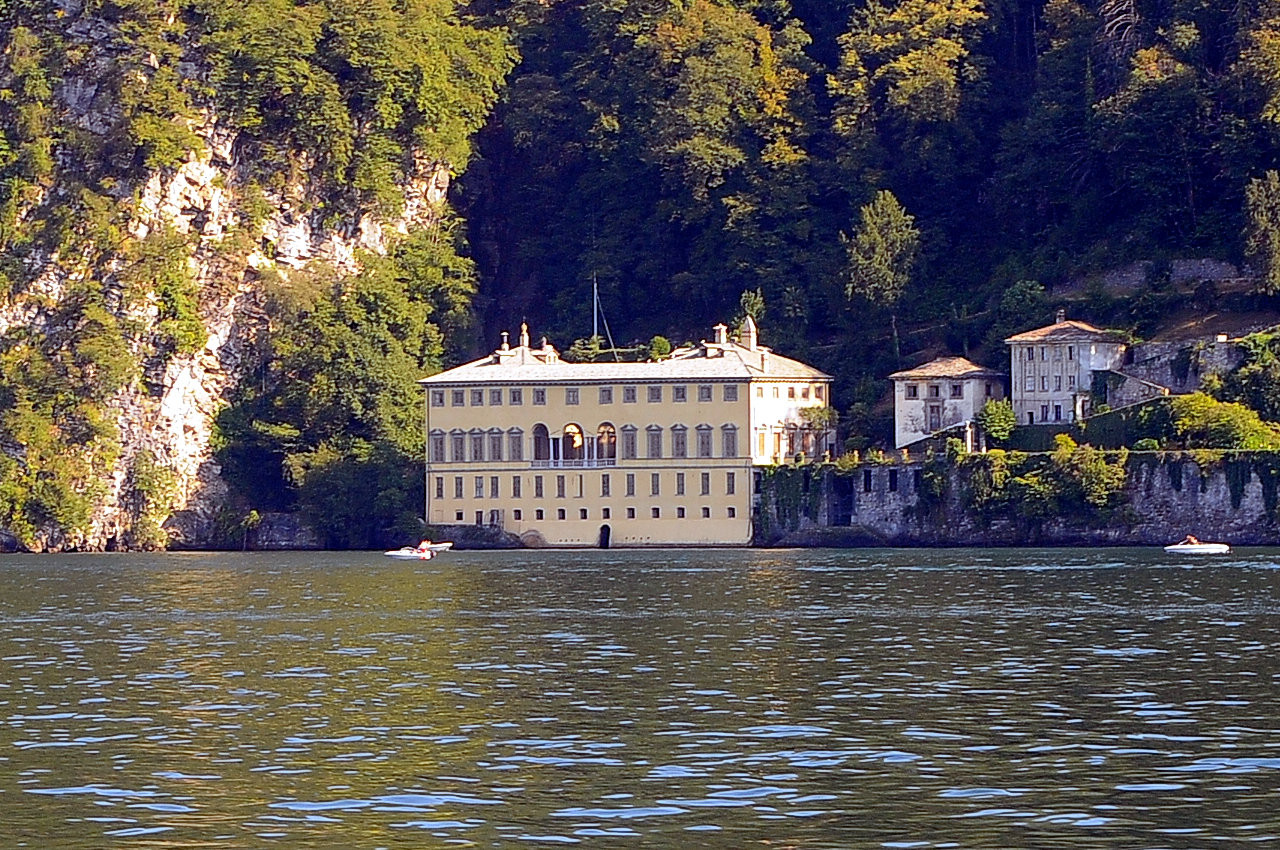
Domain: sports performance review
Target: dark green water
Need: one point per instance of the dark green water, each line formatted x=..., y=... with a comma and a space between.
x=723, y=699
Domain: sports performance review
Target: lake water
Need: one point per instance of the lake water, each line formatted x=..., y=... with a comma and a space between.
x=723, y=699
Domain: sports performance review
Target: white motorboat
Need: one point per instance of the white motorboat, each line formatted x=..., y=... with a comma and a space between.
x=422, y=552
x=1198, y=548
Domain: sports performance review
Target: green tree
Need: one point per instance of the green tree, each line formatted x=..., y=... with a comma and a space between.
x=1262, y=237
x=997, y=420
x=881, y=255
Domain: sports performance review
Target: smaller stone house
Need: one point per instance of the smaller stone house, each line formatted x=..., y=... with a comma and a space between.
x=940, y=395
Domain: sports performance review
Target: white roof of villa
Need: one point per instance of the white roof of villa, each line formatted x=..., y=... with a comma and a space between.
x=1063, y=330
x=721, y=360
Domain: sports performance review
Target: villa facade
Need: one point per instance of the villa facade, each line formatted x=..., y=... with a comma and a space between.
x=1051, y=369
x=941, y=395
x=627, y=454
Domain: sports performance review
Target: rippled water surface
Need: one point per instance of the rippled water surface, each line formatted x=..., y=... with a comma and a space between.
x=724, y=699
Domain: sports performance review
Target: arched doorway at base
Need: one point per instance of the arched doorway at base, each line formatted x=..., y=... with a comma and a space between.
x=605, y=534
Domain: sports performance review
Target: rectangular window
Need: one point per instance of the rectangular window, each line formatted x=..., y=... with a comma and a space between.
x=457, y=487
x=1044, y=413
x=730, y=392
x=458, y=398
x=893, y=481
x=515, y=488
x=679, y=442
x=517, y=515
x=570, y=395
x=730, y=483
x=631, y=513
x=606, y=395
x=706, y=484
x=1071, y=352
x=655, y=484
x=559, y=513
x=1031, y=354
x=655, y=394
x=1044, y=352
x=704, y=442
x=517, y=397
x=1057, y=413
x=477, y=447
x=655, y=442
x=1057, y=383
x=679, y=393
x=479, y=517
x=957, y=390
x=1030, y=385
x=866, y=481
x=495, y=447
x=791, y=392
x=631, y=484
x=559, y=486
x=679, y=513
x=457, y=516
x=515, y=446
x=912, y=391
x=1071, y=382
x=439, y=486
x=479, y=491
x=1044, y=383
x=493, y=487
x=437, y=448
x=537, y=486
x=605, y=513
x=679, y=483
x=477, y=398
x=759, y=392
x=539, y=513
x=495, y=398
x=437, y=398
x=656, y=513
x=604, y=485
x=818, y=392
x=628, y=395
x=988, y=389
x=579, y=494
x=732, y=512
x=704, y=392
x=730, y=439
x=539, y=396
x=629, y=445
x=935, y=391
x=582, y=513
x=706, y=513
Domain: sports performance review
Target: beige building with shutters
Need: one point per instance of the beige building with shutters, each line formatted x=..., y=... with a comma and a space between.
x=623, y=454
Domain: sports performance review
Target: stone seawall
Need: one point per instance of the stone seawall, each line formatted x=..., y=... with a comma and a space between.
x=1229, y=499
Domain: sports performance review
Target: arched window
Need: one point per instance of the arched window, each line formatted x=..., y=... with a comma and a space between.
x=606, y=441
x=573, y=444
x=541, y=443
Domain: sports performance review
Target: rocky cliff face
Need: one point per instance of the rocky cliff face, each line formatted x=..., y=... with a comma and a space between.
x=169, y=412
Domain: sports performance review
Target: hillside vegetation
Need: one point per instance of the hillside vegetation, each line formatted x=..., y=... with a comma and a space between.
x=877, y=181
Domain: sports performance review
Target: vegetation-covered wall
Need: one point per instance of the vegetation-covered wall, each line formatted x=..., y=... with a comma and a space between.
x=1075, y=496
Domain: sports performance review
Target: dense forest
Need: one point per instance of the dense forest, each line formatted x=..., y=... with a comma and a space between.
x=873, y=179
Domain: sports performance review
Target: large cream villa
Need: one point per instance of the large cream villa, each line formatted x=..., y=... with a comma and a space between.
x=627, y=454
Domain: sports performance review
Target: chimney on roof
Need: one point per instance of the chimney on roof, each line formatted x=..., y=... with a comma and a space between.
x=722, y=333
x=524, y=334
x=505, y=344
x=1061, y=317
x=750, y=336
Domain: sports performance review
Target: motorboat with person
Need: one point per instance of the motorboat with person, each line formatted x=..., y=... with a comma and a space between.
x=1191, y=545
x=424, y=551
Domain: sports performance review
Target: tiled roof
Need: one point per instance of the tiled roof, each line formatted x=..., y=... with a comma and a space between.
x=1066, y=329
x=946, y=367
x=710, y=361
